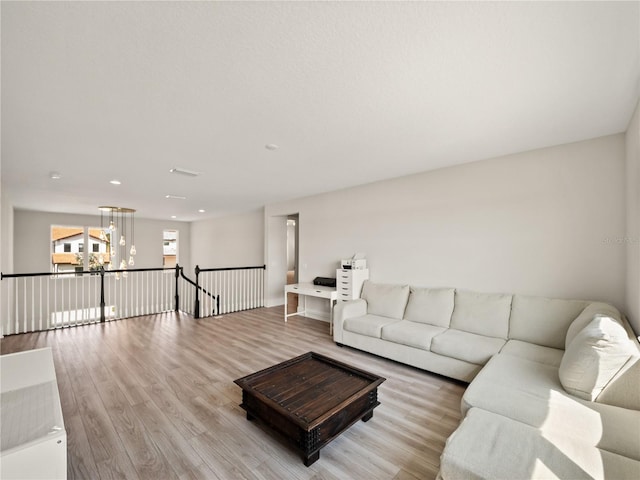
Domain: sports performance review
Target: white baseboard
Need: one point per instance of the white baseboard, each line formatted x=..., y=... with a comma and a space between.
x=270, y=302
x=318, y=315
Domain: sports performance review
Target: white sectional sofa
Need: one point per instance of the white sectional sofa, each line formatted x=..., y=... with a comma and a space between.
x=554, y=384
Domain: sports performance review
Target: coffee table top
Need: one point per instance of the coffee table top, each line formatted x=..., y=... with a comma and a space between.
x=310, y=388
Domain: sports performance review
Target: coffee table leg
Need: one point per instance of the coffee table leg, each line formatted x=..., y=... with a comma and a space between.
x=311, y=459
x=250, y=417
x=310, y=442
x=373, y=403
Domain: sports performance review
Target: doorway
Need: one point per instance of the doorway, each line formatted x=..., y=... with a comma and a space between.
x=276, y=258
x=292, y=259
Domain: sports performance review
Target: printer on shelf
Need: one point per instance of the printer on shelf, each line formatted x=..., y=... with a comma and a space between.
x=357, y=262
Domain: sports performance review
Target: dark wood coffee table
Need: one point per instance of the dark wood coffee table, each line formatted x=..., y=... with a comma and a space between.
x=310, y=399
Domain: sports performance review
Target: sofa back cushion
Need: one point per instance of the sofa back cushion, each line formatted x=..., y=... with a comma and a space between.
x=482, y=313
x=595, y=355
x=543, y=321
x=430, y=305
x=385, y=300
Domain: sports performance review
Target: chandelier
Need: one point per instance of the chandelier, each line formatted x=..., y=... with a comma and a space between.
x=122, y=223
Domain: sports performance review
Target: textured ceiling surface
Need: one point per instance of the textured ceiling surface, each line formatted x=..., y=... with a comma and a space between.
x=350, y=92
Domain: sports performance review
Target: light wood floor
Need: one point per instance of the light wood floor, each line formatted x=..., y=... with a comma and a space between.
x=153, y=397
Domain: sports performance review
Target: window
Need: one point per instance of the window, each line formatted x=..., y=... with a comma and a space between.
x=169, y=248
x=68, y=248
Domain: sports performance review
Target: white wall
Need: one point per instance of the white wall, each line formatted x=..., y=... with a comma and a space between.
x=545, y=222
x=276, y=259
x=632, y=237
x=32, y=234
x=6, y=234
x=232, y=241
x=6, y=251
x=542, y=222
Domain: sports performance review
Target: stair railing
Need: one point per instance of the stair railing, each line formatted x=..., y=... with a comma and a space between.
x=236, y=289
x=40, y=301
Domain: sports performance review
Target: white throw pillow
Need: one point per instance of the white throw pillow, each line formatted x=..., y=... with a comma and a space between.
x=594, y=356
x=595, y=309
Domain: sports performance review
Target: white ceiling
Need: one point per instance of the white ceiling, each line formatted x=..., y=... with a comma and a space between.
x=351, y=92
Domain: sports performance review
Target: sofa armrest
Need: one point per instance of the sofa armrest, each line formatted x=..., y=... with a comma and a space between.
x=344, y=310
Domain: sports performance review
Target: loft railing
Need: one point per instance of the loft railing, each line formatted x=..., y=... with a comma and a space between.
x=235, y=288
x=190, y=296
x=41, y=301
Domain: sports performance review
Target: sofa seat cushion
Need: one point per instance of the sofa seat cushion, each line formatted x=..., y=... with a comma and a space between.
x=535, y=353
x=489, y=446
x=482, y=313
x=531, y=393
x=543, y=321
x=430, y=305
x=385, y=300
x=369, y=325
x=466, y=346
x=412, y=334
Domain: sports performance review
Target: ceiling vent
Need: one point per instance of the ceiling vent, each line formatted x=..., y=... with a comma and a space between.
x=184, y=171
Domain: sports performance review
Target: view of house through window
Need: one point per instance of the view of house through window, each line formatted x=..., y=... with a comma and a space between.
x=169, y=248
x=68, y=252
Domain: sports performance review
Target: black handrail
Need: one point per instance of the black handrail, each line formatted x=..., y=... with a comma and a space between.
x=74, y=273
x=264, y=267
x=196, y=312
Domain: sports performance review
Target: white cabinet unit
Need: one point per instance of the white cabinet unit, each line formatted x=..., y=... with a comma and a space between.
x=349, y=283
x=34, y=440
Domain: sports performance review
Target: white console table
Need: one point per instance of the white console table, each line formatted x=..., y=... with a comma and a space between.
x=34, y=439
x=310, y=290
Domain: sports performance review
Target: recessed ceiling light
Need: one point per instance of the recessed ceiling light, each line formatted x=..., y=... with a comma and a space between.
x=175, y=197
x=202, y=210
x=55, y=176
x=115, y=182
x=271, y=146
x=184, y=171
x=173, y=216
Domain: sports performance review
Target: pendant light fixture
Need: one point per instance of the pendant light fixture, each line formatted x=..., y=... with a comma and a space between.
x=118, y=219
x=132, y=250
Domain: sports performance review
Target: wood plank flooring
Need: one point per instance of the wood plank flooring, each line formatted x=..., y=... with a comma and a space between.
x=153, y=397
